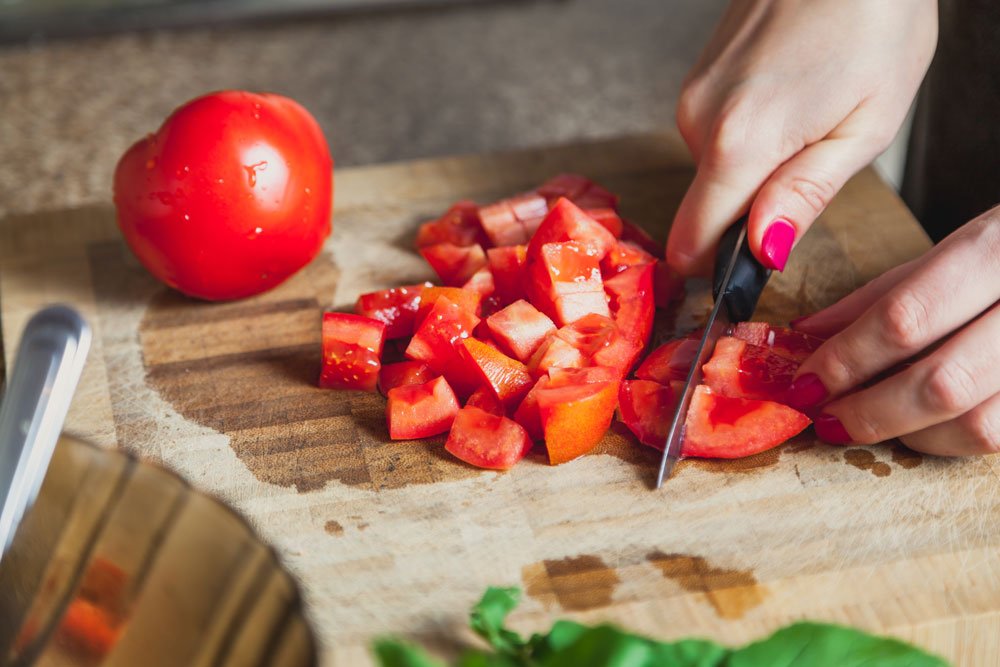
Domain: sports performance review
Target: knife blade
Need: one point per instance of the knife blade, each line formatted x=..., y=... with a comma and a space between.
x=738, y=282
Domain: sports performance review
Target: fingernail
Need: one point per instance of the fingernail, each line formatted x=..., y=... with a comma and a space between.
x=777, y=244
x=807, y=391
x=829, y=429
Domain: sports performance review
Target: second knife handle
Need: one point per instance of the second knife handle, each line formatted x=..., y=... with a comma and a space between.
x=748, y=278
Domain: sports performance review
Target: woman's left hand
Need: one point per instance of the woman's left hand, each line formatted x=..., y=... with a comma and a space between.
x=928, y=333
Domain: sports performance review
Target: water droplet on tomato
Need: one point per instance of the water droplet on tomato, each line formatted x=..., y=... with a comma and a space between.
x=151, y=163
x=308, y=191
x=187, y=217
x=221, y=180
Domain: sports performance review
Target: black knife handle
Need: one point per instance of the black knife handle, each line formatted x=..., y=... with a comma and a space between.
x=748, y=279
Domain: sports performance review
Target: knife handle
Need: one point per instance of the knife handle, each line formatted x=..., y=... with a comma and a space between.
x=748, y=278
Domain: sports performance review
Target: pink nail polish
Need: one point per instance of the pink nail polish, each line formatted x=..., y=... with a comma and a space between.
x=806, y=392
x=829, y=429
x=777, y=244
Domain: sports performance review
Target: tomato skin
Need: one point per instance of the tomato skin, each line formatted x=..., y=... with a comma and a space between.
x=421, y=410
x=574, y=417
x=486, y=440
x=352, y=347
x=507, y=264
x=742, y=370
x=645, y=407
x=507, y=378
x=230, y=197
x=396, y=307
x=402, y=374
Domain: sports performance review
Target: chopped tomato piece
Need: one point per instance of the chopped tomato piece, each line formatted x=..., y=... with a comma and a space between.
x=458, y=226
x=565, y=283
x=646, y=408
x=742, y=370
x=507, y=264
x=352, y=346
x=580, y=190
x=404, y=373
x=622, y=256
x=396, y=307
x=512, y=221
x=608, y=218
x=670, y=361
x=788, y=343
x=640, y=237
x=486, y=440
x=728, y=428
x=527, y=412
x=485, y=399
x=466, y=299
x=561, y=377
x=566, y=222
x=454, y=264
x=600, y=342
x=87, y=628
x=575, y=417
x=508, y=378
x=445, y=325
x=481, y=283
x=555, y=352
x=519, y=329
x=632, y=306
x=421, y=410
x=668, y=285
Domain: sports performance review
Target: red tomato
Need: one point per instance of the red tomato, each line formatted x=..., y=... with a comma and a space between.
x=566, y=222
x=485, y=399
x=487, y=441
x=458, y=226
x=632, y=305
x=396, y=307
x=444, y=326
x=421, y=410
x=564, y=282
x=794, y=345
x=507, y=266
x=527, y=413
x=623, y=255
x=574, y=417
x=466, y=299
x=230, y=197
x=403, y=373
x=555, y=353
x=670, y=361
x=507, y=378
x=454, y=264
x=519, y=329
x=352, y=345
x=580, y=190
x=742, y=370
x=645, y=408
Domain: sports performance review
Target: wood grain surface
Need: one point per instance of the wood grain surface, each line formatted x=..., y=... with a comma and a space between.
x=400, y=537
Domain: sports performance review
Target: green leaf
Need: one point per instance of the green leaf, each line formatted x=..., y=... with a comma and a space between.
x=823, y=645
x=573, y=645
x=488, y=617
x=394, y=653
x=480, y=659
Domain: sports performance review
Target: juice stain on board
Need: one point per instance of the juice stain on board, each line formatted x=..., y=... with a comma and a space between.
x=575, y=583
x=731, y=592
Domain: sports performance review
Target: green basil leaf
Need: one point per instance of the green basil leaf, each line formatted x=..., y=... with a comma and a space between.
x=488, y=616
x=822, y=645
x=574, y=645
x=480, y=659
x=394, y=653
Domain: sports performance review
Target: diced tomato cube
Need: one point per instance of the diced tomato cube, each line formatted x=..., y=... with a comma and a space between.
x=403, y=373
x=608, y=219
x=720, y=427
x=485, y=399
x=622, y=256
x=421, y=410
x=597, y=337
x=396, y=307
x=436, y=336
x=575, y=417
x=632, y=306
x=508, y=378
x=458, y=226
x=565, y=283
x=486, y=440
x=561, y=377
x=454, y=264
x=507, y=264
x=555, y=352
x=528, y=206
x=481, y=283
x=519, y=329
x=646, y=408
x=788, y=343
x=578, y=189
x=741, y=370
x=670, y=361
x=668, y=285
x=466, y=299
x=504, y=221
x=566, y=222
x=640, y=237
x=527, y=414
x=352, y=346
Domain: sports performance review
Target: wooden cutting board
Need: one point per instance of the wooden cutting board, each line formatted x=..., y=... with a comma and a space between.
x=400, y=537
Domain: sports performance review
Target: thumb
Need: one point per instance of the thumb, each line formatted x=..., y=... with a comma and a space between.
x=793, y=196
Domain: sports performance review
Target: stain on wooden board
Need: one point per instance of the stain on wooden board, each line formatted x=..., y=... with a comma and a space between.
x=862, y=459
x=575, y=583
x=905, y=457
x=731, y=592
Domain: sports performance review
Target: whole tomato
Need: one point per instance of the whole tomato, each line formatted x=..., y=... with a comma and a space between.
x=231, y=196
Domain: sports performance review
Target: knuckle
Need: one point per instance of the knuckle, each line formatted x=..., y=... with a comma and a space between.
x=815, y=191
x=906, y=320
x=730, y=137
x=983, y=429
x=949, y=388
x=839, y=365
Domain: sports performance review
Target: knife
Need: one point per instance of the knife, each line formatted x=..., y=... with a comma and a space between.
x=736, y=286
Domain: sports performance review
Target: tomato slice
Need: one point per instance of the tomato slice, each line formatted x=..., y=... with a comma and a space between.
x=555, y=352
x=622, y=256
x=445, y=325
x=458, y=226
x=466, y=299
x=668, y=285
x=352, y=346
x=788, y=343
x=742, y=370
x=646, y=408
x=575, y=417
x=507, y=378
x=564, y=282
x=486, y=440
x=670, y=361
x=580, y=190
x=455, y=265
x=527, y=414
x=729, y=428
x=561, y=377
x=396, y=307
x=481, y=283
x=485, y=399
x=567, y=222
x=507, y=264
x=632, y=306
x=608, y=218
x=421, y=410
x=601, y=343
x=519, y=329
x=404, y=373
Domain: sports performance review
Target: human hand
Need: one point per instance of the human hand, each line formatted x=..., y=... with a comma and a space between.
x=929, y=332
x=788, y=101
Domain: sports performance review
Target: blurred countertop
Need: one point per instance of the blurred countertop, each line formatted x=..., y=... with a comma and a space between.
x=385, y=86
